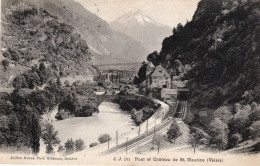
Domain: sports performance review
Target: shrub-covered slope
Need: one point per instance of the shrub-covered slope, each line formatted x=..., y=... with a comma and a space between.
x=105, y=43
x=221, y=43
x=31, y=36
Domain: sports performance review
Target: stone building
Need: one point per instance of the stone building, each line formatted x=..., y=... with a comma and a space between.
x=158, y=78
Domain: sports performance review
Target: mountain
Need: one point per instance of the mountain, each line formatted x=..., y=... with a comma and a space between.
x=31, y=36
x=142, y=28
x=107, y=45
x=221, y=47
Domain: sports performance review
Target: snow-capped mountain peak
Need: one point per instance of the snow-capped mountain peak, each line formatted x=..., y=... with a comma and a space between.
x=138, y=16
x=142, y=28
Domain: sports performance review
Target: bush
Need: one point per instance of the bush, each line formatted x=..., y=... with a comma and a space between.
x=61, y=149
x=69, y=146
x=174, y=132
x=79, y=145
x=223, y=113
x=240, y=122
x=234, y=140
x=137, y=116
x=5, y=64
x=93, y=144
x=188, y=118
x=104, y=138
x=255, y=114
x=255, y=130
x=66, y=83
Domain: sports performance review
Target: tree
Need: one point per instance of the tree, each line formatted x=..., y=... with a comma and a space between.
x=137, y=116
x=69, y=146
x=20, y=82
x=58, y=82
x=6, y=107
x=195, y=140
x=5, y=64
x=219, y=133
x=240, y=122
x=42, y=67
x=179, y=27
x=100, y=84
x=66, y=83
x=174, y=132
x=234, y=140
x=157, y=140
x=255, y=130
x=223, y=113
x=61, y=149
x=35, y=133
x=154, y=58
x=93, y=144
x=32, y=79
x=255, y=114
x=188, y=117
x=50, y=137
x=79, y=145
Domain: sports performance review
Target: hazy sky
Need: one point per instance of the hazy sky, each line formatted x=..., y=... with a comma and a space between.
x=167, y=12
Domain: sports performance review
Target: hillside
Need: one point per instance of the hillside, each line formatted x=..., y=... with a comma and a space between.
x=221, y=45
x=31, y=36
x=142, y=28
x=107, y=45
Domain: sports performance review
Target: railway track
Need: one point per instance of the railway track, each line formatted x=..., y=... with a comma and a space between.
x=137, y=141
x=146, y=137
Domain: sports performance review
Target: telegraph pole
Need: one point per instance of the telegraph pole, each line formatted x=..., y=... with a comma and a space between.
x=162, y=116
x=147, y=126
x=116, y=138
x=139, y=131
x=154, y=124
x=126, y=145
x=108, y=143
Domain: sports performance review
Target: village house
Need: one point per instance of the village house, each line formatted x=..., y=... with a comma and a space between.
x=158, y=78
x=160, y=84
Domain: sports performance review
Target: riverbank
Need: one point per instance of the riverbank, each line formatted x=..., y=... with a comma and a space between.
x=140, y=107
x=109, y=120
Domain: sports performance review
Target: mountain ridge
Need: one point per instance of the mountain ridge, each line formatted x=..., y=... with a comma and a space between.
x=104, y=41
x=221, y=43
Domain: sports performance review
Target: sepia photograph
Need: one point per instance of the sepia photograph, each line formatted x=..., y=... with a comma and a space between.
x=130, y=82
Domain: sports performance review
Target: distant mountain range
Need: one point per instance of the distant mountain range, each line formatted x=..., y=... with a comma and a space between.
x=142, y=28
x=107, y=45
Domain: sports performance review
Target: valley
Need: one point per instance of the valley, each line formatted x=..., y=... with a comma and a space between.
x=73, y=84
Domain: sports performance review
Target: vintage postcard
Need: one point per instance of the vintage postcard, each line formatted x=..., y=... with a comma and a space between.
x=130, y=82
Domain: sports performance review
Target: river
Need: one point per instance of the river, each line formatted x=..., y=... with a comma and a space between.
x=109, y=119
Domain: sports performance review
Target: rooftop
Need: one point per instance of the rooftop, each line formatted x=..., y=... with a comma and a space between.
x=160, y=71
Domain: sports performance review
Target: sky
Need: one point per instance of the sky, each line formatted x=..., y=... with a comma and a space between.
x=166, y=12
